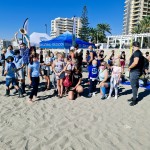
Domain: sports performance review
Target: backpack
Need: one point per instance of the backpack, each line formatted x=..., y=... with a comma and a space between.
x=67, y=82
x=145, y=65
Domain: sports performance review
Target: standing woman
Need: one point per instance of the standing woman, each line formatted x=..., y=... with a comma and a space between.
x=100, y=58
x=122, y=60
x=46, y=68
x=34, y=72
x=111, y=58
x=41, y=56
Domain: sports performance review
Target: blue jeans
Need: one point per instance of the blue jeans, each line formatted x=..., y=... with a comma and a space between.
x=3, y=67
x=89, y=67
x=134, y=80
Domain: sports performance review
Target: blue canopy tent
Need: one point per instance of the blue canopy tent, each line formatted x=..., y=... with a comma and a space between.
x=64, y=41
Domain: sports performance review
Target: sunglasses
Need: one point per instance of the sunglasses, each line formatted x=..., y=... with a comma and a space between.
x=102, y=65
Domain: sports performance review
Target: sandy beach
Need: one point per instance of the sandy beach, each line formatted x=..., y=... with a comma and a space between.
x=83, y=124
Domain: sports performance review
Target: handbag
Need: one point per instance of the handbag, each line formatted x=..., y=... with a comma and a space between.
x=67, y=82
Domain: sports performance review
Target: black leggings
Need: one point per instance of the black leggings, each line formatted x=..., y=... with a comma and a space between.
x=35, y=84
x=92, y=86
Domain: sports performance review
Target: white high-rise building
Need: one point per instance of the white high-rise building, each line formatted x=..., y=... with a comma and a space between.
x=134, y=11
x=61, y=25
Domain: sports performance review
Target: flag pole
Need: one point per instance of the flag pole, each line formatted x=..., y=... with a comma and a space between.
x=74, y=32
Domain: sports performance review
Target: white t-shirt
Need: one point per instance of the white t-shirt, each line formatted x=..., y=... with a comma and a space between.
x=116, y=71
x=47, y=61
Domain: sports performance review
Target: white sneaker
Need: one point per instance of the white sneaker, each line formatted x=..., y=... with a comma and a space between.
x=109, y=97
x=93, y=94
x=116, y=97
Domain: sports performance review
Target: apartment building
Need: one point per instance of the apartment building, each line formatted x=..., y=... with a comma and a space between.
x=61, y=25
x=134, y=11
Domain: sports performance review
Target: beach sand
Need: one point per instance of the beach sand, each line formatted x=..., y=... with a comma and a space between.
x=82, y=124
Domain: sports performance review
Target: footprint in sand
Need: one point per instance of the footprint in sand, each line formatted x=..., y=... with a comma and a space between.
x=127, y=126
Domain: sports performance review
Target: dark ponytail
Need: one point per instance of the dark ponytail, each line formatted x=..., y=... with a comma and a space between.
x=36, y=55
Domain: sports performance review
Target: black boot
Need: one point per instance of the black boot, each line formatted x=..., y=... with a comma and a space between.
x=7, y=92
x=20, y=93
x=15, y=92
x=23, y=88
x=134, y=102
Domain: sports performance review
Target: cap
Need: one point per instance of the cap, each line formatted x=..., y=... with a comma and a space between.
x=72, y=48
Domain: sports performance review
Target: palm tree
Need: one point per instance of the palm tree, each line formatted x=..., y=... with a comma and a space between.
x=98, y=34
x=92, y=33
x=143, y=27
x=102, y=29
x=137, y=29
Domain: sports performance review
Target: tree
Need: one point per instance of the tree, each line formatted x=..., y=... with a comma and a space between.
x=84, y=31
x=93, y=34
x=143, y=27
x=99, y=33
x=102, y=29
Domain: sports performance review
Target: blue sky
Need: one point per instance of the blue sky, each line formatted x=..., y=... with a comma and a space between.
x=41, y=12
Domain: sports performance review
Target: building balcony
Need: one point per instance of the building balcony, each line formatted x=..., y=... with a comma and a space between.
x=137, y=2
x=136, y=10
x=135, y=19
x=137, y=6
x=135, y=14
x=145, y=10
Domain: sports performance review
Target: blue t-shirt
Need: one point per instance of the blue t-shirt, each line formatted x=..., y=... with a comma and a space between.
x=88, y=58
x=10, y=68
x=25, y=55
x=93, y=72
x=9, y=53
x=18, y=61
x=35, y=69
x=98, y=63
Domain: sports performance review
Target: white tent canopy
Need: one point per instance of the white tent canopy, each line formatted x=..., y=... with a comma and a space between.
x=36, y=38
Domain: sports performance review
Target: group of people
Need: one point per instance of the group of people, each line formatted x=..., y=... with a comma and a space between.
x=66, y=71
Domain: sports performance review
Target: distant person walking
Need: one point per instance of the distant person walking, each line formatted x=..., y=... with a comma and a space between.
x=3, y=61
x=78, y=55
x=111, y=58
x=122, y=60
x=135, y=69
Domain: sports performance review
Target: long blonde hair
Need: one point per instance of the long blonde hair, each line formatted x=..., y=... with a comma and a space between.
x=116, y=62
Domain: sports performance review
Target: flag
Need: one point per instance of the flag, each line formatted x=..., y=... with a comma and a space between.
x=25, y=25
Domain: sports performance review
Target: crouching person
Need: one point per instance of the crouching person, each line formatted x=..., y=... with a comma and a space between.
x=76, y=88
x=10, y=71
